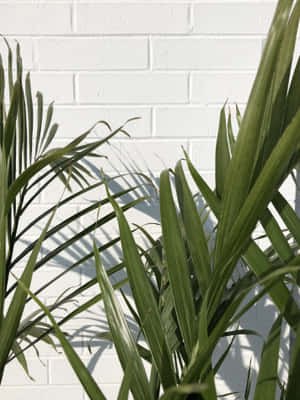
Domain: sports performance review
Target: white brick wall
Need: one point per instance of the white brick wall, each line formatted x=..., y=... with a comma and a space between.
x=172, y=62
x=92, y=53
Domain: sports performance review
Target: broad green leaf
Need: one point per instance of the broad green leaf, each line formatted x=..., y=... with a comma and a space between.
x=122, y=337
x=268, y=370
x=231, y=138
x=39, y=97
x=276, y=236
x=195, y=235
x=10, y=123
x=293, y=386
x=279, y=293
x=3, y=228
x=145, y=302
x=29, y=104
x=222, y=158
x=22, y=123
x=280, y=84
x=181, y=391
x=177, y=264
x=255, y=203
x=241, y=168
x=201, y=359
x=293, y=102
x=288, y=215
x=203, y=342
x=256, y=259
x=9, y=67
x=21, y=358
x=47, y=126
x=51, y=136
x=125, y=385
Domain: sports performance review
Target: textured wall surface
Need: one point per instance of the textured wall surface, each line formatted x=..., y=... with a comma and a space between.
x=173, y=63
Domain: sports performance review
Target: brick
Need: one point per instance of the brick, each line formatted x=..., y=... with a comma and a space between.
x=77, y=119
x=206, y=53
x=155, y=155
x=203, y=154
x=92, y=53
x=54, y=87
x=132, y=18
x=30, y=18
x=48, y=392
x=186, y=122
x=232, y=18
x=141, y=88
x=288, y=189
x=210, y=88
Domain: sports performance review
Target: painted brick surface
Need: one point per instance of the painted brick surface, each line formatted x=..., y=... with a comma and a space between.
x=186, y=121
x=35, y=18
x=128, y=18
x=74, y=120
x=92, y=53
x=209, y=88
x=221, y=53
x=132, y=88
x=171, y=62
x=232, y=18
x=57, y=87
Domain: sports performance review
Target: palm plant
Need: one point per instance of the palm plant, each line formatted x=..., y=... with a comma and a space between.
x=191, y=303
x=184, y=298
x=28, y=165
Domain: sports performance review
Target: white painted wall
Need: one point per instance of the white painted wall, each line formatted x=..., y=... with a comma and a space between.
x=173, y=63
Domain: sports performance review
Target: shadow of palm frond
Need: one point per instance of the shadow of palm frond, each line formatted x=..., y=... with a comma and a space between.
x=78, y=256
